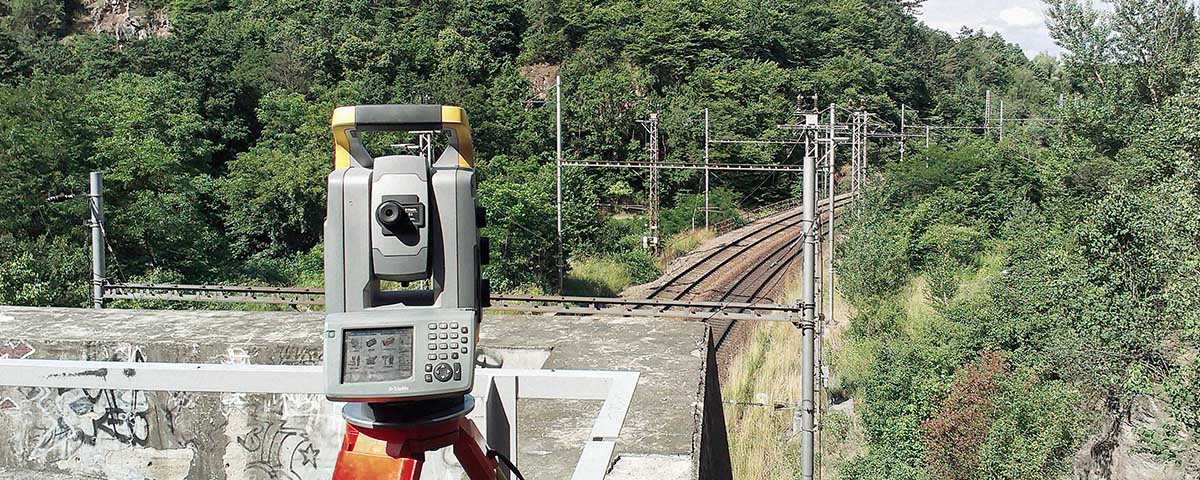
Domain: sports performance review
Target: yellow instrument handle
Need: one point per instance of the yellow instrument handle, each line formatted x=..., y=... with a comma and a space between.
x=400, y=118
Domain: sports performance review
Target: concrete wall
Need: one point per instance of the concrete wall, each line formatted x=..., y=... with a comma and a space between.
x=170, y=435
x=167, y=435
x=714, y=438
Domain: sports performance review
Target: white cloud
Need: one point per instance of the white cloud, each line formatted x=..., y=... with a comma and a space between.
x=1019, y=21
x=1019, y=16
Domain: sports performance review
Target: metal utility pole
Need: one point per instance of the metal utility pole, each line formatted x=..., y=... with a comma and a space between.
x=562, y=262
x=829, y=251
x=808, y=307
x=99, y=265
x=858, y=146
x=903, y=111
x=1001, y=119
x=987, y=109
x=706, y=167
x=425, y=145
x=651, y=126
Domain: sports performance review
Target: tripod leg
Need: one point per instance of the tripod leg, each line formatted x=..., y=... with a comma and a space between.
x=366, y=458
x=468, y=447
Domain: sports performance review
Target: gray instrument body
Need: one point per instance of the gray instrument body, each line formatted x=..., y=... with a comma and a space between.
x=398, y=218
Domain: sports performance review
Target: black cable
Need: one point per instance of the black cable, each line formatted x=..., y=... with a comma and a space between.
x=494, y=455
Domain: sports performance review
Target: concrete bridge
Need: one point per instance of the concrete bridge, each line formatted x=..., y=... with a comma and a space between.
x=581, y=397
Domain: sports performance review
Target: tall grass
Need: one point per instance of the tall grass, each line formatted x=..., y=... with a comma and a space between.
x=767, y=370
x=607, y=275
x=596, y=276
x=683, y=242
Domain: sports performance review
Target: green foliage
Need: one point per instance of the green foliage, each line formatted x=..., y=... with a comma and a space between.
x=1164, y=443
x=150, y=146
x=688, y=212
x=1036, y=429
x=214, y=139
x=1069, y=250
x=897, y=398
x=32, y=17
x=608, y=275
x=520, y=208
x=876, y=320
x=641, y=266
x=14, y=64
x=275, y=190
x=953, y=244
x=874, y=258
x=44, y=271
x=956, y=431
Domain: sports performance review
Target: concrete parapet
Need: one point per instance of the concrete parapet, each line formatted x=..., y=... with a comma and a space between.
x=84, y=433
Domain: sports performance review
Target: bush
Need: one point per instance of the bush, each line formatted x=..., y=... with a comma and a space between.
x=608, y=275
x=876, y=320
x=1037, y=428
x=949, y=244
x=688, y=212
x=45, y=271
x=873, y=258
x=641, y=266
x=957, y=430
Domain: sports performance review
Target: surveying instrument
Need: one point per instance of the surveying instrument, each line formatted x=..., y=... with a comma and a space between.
x=403, y=359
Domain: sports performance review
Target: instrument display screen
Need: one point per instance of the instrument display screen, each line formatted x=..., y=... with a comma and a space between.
x=377, y=355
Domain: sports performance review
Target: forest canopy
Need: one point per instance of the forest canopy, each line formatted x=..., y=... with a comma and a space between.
x=209, y=119
x=1007, y=290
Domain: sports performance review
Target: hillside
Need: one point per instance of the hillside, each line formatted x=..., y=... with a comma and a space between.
x=211, y=127
x=1024, y=307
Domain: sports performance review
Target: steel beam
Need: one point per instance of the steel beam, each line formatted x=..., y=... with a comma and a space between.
x=643, y=301
x=645, y=312
x=687, y=166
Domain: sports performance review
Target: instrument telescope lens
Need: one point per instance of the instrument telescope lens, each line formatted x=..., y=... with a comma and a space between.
x=390, y=214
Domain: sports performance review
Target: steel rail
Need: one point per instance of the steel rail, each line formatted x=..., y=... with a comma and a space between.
x=725, y=324
x=214, y=293
x=839, y=200
x=648, y=312
x=776, y=266
x=209, y=297
x=218, y=288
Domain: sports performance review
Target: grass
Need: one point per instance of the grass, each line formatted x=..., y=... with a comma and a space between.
x=683, y=242
x=767, y=370
x=975, y=283
x=597, y=276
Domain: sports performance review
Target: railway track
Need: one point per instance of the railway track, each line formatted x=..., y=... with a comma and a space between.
x=753, y=284
x=737, y=299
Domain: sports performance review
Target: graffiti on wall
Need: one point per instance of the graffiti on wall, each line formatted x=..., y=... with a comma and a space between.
x=15, y=350
x=282, y=436
x=66, y=420
x=277, y=450
x=235, y=356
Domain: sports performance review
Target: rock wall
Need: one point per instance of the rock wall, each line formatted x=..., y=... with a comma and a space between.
x=124, y=19
x=1116, y=451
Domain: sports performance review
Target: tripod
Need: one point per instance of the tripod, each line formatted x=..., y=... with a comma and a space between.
x=389, y=440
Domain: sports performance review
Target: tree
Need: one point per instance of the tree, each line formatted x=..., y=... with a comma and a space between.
x=151, y=148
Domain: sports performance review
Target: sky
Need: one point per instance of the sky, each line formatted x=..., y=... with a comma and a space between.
x=1022, y=22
